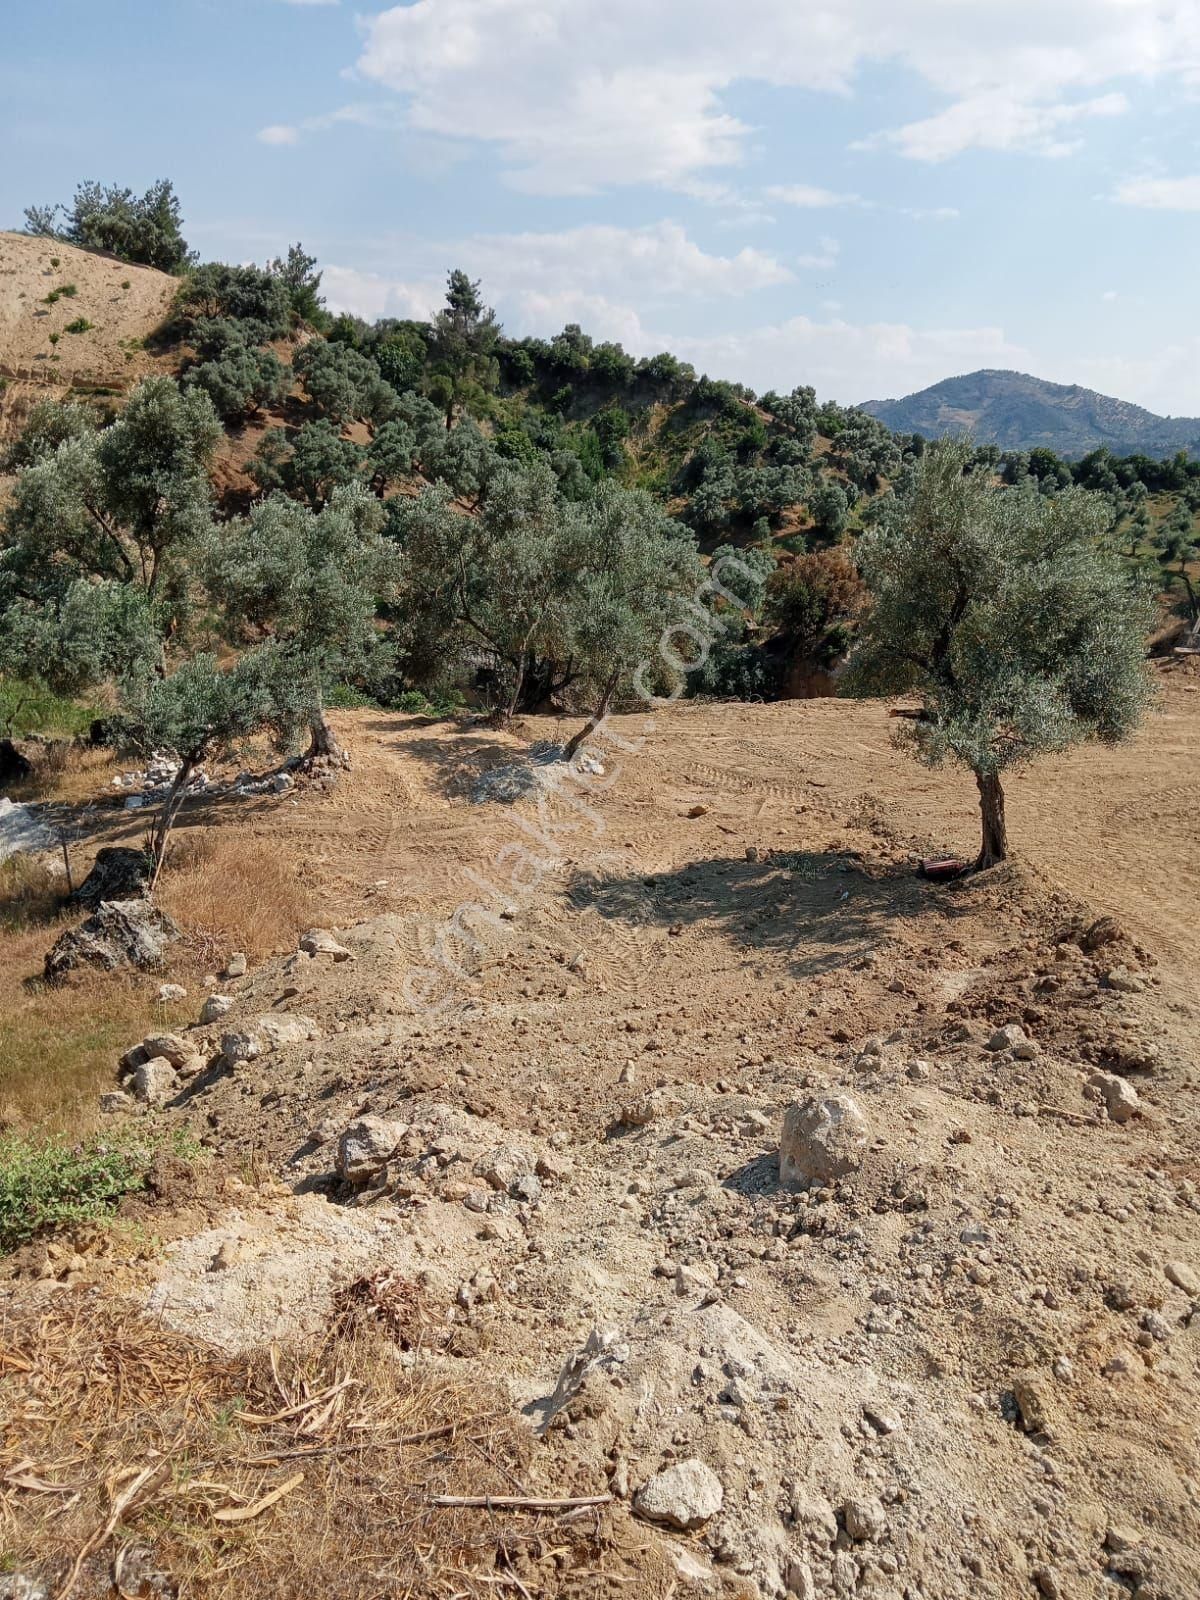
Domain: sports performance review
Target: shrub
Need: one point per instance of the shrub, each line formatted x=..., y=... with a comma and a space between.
x=50, y=1183
x=80, y=325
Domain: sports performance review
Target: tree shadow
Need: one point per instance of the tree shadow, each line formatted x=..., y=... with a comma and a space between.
x=818, y=910
x=459, y=761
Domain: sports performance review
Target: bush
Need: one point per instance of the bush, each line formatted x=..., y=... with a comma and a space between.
x=50, y=1183
x=146, y=229
x=80, y=325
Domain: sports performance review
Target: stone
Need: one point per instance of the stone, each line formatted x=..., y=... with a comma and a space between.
x=1120, y=1098
x=122, y=933
x=823, y=1138
x=238, y=1045
x=283, y=782
x=290, y=1028
x=503, y=1165
x=1183, y=1277
x=1030, y=1395
x=527, y=1188
x=115, y=1102
x=118, y=873
x=684, y=1496
x=154, y=1082
x=799, y=1580
x=864, y=1517
x=691, y=1281
x=21, y=830
x=170, y=993
x=176, y=1050
x=1010, y=1037
x=214, y=1008
x=365, y=1146
x=320, y=942
x=236, y=966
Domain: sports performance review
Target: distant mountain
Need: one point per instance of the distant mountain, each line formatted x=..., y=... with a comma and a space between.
x=1018, y=412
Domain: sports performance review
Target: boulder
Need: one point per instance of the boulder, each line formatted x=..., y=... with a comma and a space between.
x=864, y=1517
x=236, y=966
x=365, y=1146
x=504, y=1166
x=238, y=1046
x=154, y=1082
x=169, y=1045
x=118, y=873
x=823, y=1138
x=1007, y=1038
x=170, y=993
x=121, y=933
x=684, y=1496
x=116, y=1102
x=21, y=831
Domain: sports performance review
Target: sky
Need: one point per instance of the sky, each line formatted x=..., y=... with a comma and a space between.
x=862, y=195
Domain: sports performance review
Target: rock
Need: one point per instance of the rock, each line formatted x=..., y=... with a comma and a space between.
x=170, y=993
x=1106, y=930
x=154, y=1082
x=1010, y=1037
x=239, y=1045
x=118, y=873
x=685, y=1496
x=13, y=765
x=1030, y=1395
x=864, y=1517
x=697, y=811
x=504, y=1165
x=320, y=942
x=122, y=933
x=823, y=1138
x=799, y=1579
x=280, y=1030
x=214, y=1008
x=236, y=966
x=1124, y=981
x=365, y=1146
x=176, y=1050
x=21, y=831
x=283, y=782
x=1183, y=1277
x=325, y=1130
x=527, y=1188
x=1120, y=1098
x=691, y=1281
x=115, y=1102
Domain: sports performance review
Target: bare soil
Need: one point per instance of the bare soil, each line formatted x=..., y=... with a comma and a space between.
x=969, y=1369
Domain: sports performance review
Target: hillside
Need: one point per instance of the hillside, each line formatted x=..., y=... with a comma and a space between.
x=1020, y=412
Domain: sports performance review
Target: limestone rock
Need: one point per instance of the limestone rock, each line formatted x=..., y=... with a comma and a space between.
x=122, y=933
x=823, y=1138
x=320, y=942
x=155, y=1081
x=1120, y=1098
x=1183, y=1277
x=239, y=1045
x=176, y=1050
x=118, y=873
x=116, y=1102
x=214, y=1008
x=279, y=1030
x=864, y=1517
x=365, y=1145
x=1010, y=1037
x=684, y=1496
x=170, y=993
x=504, y=1165
x=236, y=966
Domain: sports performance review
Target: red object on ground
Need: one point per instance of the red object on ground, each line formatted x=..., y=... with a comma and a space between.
x=941, y=868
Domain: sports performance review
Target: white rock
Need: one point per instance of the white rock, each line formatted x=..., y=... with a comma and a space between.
x=176, y=1050
x=685, y=1496
x=865, y=1518
x=215, y=1007
x=320, y=942
x=365, y=1146
x=278, y=1030
x=503, y=1165
x=116, y=1102
x=1120, y=1098
x=154, y=1082
x=823, y=1138
x=240, y=1046
x=168, y=993
x=236, y=966
x=1183, y=1277
x=1007, y=1038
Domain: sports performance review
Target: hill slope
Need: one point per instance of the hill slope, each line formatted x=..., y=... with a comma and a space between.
x=39, y=302
x=1019, y=412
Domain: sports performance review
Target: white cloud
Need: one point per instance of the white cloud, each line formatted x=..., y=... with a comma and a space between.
x=809, y=197
x=310, y=2
x=369, y=295
x=577, y=95
x=1109, y=296
x=279, y=133
x=997, y=119
x=1160, y=194
x=1162, y=380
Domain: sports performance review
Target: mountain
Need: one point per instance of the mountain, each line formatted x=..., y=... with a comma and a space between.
x=1018, y=412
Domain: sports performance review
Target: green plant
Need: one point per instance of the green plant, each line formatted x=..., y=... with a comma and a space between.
x=27, y=707
x=55, y=262
x=54, y=338
x=51, y=1183
x=65, y=291
x=125, y=283
x=80, y=325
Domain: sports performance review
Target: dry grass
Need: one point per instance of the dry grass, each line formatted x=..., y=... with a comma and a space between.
x=131, y=1454
x=61, y=1042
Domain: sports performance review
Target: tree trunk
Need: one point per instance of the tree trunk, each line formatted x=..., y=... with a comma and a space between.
x=991, y=810
x=594, y=721
x=161, y=832
x=323, y=740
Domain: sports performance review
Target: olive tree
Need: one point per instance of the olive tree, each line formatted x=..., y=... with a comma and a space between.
x=1001, y=610
x=310, y=583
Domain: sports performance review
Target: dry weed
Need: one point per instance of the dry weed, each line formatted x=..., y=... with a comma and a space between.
x=133, y=1457
x=233, y=892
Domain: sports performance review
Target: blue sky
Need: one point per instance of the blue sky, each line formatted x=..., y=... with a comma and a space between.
x=865, y=195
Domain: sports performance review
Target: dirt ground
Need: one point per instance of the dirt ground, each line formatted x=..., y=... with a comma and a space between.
x=968, y=1368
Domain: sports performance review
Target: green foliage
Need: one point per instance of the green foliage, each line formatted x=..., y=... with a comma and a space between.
x=462, y=347
x=297, y=272
x=49, y=424
x=237, y=377
x=65, y=291
x=80, y=325
x=249, y=295
x=27, y=706
x=400, y=358
x=51, y=1183
x=319, y=461
x=1003, y=613
x=344, y=384
x=146, y=229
